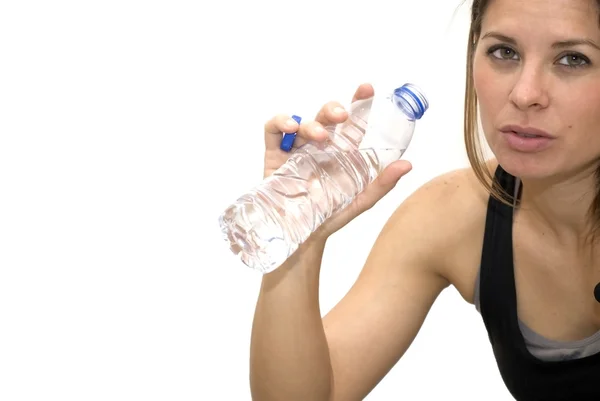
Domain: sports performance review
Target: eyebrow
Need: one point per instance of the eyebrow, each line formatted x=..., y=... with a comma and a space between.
x=557, y=45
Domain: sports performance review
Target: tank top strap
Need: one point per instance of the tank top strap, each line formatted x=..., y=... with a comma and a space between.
x=498, y=301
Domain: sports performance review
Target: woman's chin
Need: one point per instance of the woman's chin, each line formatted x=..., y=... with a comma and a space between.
x=544, y=169
x=528, y=167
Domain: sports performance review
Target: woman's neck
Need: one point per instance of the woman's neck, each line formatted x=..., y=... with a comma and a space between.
x=562, y=205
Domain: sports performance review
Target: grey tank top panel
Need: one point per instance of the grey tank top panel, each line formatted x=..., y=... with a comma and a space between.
x=550, y=350
x=546, y=349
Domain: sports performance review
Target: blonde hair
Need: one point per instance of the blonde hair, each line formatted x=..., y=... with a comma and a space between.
x=471, y=134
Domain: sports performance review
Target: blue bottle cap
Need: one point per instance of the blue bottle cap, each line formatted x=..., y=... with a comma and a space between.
x=288, y=138
x=411, y=100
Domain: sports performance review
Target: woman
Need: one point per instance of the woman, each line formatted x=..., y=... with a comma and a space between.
x=534, y=72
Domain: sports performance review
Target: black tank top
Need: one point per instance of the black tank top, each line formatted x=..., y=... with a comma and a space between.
x=526, y=377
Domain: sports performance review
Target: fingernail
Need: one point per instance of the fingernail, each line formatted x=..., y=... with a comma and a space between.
x=320, y=131
x=339, y=110
x=290, y=124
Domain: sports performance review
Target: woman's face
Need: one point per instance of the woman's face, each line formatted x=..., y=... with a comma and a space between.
x=537, y=77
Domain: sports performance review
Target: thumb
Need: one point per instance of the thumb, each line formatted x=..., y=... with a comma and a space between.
x=391, y=174
x=384, y=183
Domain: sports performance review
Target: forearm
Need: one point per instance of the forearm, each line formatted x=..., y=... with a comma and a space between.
x=289, y=357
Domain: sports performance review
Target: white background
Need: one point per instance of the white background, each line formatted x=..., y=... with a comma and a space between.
x=128, y=126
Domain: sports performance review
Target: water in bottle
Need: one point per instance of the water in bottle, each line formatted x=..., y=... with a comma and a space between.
x=267, y=224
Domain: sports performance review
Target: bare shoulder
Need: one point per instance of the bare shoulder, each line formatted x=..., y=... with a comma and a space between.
x=431, y=241
x=451, y=202
x=446, y=219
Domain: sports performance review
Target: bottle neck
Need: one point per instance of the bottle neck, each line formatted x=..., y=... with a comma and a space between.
x=411, y=101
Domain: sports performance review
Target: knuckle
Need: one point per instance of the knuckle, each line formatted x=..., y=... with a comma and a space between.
x=334, y=104
x=280, y=120
x=305, y=128
x=336, y=109
x=331, y=106
x=332, y=111
x=316, y=129
x=275, y=123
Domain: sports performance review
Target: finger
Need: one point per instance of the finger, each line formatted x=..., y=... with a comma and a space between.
x=332, y=113
x=275, y=127
x=310, y=131
x=364, y=91
x=384, y=183
x=390, y=176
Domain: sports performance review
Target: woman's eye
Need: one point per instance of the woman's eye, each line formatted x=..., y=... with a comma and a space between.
x=504, y=53
x=573, y=60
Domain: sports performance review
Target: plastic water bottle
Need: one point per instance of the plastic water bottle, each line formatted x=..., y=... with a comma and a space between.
x=267, y=224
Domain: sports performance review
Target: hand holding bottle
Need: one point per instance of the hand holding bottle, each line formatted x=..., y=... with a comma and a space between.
x=330, y=114
x=340, y=165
